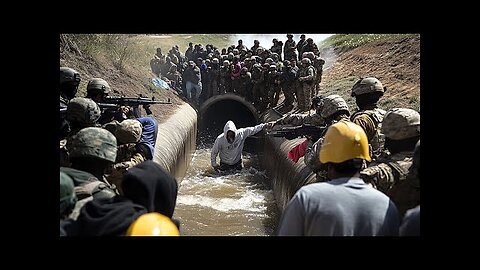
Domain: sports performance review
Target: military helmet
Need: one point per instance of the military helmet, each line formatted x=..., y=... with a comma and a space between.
x=96, y=85
x=344, y=141
x=269, y=60
x=256, y=42
x=309, y=40
x=272, y=67
x=306, y=61
x=93, y=142
x=367, y=85
x=215, y=61
x=69, y=75
x=244, y=70
x=226, y=62
x=401, y=123
x=333, y=104
x=153, y=224
x=67, y=193
x=289, y=35
x=129, y=131
x=309, y=55
x=83, y=111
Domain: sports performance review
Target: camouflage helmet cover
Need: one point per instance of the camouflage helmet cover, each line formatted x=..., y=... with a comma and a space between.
x=129, y=131
x=401, y=123
x=333, y=104
x=367, y=85
x=93, y=142
x=83, y=111
x=67, y=194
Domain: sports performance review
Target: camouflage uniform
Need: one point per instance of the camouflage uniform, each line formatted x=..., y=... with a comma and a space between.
x=271, y=84
x=91, y=142
x=225, y=80
x=306, y=77
x=300, y=44
x=309, y=46
x=318, y=65
x=370, y=117
x=331, y=106
x=289, y=49
x=245, y=88
x=258, y=81
x=81, y=113
x=389, y=172
x=215, y=76
x=288, y=78
x=69, y=81
x=128, y=134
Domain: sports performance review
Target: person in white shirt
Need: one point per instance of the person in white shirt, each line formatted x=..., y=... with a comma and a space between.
x=229, y=145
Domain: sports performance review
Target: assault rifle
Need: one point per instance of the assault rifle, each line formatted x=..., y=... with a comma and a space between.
x=290, y=133
x=133, y=102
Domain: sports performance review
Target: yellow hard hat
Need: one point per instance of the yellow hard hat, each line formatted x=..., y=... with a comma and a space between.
x=344, y=141
x=153, y=224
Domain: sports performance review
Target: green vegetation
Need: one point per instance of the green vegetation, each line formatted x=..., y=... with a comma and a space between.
x=136, y=51
x=350, y=41
x=341, y=87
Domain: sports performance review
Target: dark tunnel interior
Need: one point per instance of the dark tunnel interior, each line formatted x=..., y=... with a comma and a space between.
x=214, y=118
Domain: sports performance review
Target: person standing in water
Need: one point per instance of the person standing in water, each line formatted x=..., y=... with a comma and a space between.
x=229, y=145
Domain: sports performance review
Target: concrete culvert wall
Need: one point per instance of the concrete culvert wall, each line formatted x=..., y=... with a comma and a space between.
x=176, y=141
x=217, y=110
x=285, y=175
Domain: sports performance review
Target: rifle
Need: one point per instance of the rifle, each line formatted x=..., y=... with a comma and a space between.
x=133, y=102
x=290, y=133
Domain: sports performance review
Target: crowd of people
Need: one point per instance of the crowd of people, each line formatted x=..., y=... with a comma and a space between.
x=258, y=74
x=367, y=162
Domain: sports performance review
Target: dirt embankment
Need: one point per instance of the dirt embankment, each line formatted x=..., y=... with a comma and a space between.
x=396, y=63
x=128, y=81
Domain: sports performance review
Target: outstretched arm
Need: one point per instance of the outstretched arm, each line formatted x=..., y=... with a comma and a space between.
x=249, y=131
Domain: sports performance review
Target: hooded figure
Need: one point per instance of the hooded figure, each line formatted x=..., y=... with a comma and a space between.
x=229, y=145
x=146, y=187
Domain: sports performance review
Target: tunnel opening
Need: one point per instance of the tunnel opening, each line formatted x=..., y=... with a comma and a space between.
x=216, y=111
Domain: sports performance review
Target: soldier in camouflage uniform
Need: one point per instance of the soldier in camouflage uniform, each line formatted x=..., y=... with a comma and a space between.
x=277, y=48
x=215, y=76
x=318, y=65
x=401, y=127
x=129, y=154
x=310, y=46
x=287, y=81
x=245, y=88
x=258, y=81
x=311, y=56
x=289, y=48
x=81, y=113
x=225, y=80
x=271, y=85
x=92, y=151
x=97, y=90
x=306, y=78
x=69, y=81
x=254, y=48
x=300, y=44
x=334, y=109
x=367, y=92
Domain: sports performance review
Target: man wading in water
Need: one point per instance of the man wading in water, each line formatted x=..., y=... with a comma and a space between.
x=229, y=145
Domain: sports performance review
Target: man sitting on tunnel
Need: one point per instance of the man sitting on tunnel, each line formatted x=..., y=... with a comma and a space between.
x=229, y=145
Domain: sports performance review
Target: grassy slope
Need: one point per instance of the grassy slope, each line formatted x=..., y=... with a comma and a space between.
x=393, y=58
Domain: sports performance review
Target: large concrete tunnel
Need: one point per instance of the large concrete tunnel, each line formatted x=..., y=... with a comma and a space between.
x=217, y=110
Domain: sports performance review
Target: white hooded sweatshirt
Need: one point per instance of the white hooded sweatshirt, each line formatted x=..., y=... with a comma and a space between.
x=231, y=153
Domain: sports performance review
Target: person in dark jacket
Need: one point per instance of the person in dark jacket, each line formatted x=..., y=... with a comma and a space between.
x=147, y=188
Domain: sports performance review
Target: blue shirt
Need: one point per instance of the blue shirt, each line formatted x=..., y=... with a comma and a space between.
x=341, y=207
x=149, y=133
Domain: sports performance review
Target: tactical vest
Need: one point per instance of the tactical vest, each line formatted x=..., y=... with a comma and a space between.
x=378, y=140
